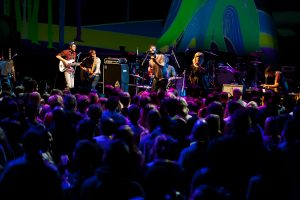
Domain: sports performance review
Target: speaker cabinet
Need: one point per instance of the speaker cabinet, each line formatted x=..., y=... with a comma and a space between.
x=116, y=75
x=230, y=87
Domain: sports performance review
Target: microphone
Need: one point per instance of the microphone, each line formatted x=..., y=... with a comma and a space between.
x=153, y=52
x=79, y=53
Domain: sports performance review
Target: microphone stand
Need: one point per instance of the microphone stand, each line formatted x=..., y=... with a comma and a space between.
x=176, y=59
x=145, y=59
x=78, y=56
x=182, y=92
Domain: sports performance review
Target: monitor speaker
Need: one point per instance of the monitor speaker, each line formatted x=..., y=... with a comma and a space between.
x=116, y=75
x=230, y=87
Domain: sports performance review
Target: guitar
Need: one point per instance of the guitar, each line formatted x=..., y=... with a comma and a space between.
x=88, y=71
x=70, y=63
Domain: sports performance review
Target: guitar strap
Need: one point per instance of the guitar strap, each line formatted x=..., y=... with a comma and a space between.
x=93, y=66
x=73, y=54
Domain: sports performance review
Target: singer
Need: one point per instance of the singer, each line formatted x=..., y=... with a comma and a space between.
x=157, y=69
x=197, y=82
x=68, y=58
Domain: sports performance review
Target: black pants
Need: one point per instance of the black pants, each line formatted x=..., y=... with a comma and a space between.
x=159, y=84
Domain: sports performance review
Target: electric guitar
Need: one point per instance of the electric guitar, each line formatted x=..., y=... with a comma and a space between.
x=70, y=63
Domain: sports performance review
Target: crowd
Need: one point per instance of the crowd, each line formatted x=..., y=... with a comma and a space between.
x=154, y=145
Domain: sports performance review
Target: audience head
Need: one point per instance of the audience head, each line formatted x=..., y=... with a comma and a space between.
x=125, y=99
x=209, y=192
x=94, y=112
x=133, y=113
x=112, y=103
x=70, y=102
x=108, y=126
x=55, y=100
x=34, y=140
x=199, y=131
x=93, y=97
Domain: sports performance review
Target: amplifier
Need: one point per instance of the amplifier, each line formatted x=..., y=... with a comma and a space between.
x=116, y=75
x=110, y=60
x=230, y=87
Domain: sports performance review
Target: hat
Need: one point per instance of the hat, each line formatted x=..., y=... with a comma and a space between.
x=71, y=43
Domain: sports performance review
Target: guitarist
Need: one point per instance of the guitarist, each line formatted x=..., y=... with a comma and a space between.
x=90, y=69
x=66, y=56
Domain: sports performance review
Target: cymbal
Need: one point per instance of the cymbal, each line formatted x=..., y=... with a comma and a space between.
x=222, y=66
x=144, y=86
x=135, y=76
x=256, y=62
x=293, y=94
x=175, y=78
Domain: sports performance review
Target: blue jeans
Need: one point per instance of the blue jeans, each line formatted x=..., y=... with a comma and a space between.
x=95, y=81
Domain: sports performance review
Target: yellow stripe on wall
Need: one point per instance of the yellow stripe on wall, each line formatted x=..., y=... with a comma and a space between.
x=267, y=40
x=98, y=38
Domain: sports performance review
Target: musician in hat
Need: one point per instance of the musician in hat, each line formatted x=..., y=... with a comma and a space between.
x=67, y=65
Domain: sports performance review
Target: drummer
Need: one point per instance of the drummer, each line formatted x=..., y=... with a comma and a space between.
x=171, y=72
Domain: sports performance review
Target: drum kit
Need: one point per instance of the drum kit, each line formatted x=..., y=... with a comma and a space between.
x=138, y=83
x=141, y=83
x=248, y=73
x=225, y=74
x=175, y=82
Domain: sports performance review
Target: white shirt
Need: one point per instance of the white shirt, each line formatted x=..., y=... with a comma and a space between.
x=98, y=63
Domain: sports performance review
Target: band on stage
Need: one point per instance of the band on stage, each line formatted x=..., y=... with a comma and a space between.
x=197, y=73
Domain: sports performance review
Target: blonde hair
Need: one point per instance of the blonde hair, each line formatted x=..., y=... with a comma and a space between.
x=197, y=54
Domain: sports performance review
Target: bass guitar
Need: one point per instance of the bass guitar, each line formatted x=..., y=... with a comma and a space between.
x=70, y=63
